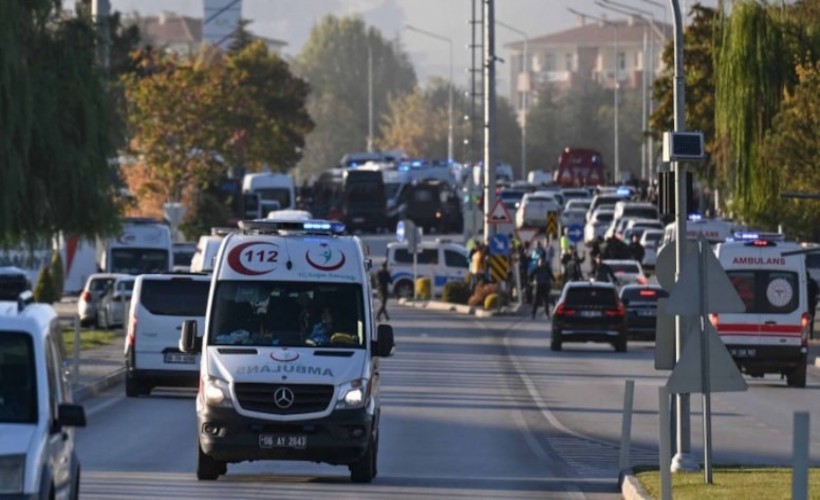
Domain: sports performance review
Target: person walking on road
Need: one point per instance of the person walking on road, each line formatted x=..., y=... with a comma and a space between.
x=636, y=250
x=541, y=278
x=383, y=278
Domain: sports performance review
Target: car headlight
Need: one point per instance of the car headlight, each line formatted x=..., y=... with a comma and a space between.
x=354, y=394
x=217, y=393
x=12, y=473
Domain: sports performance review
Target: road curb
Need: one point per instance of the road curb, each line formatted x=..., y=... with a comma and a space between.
x=631, y=488
x=88, y=391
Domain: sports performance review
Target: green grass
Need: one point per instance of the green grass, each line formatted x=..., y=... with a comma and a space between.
x=89, y=339
x=730, y=483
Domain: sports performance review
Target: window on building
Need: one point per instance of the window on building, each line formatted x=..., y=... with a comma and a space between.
x=621, y=60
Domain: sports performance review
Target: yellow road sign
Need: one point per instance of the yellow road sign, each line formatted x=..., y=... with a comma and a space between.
x=499, y=268
x=552, y=224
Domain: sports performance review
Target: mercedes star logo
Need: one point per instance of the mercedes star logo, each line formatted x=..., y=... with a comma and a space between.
x=283, y=397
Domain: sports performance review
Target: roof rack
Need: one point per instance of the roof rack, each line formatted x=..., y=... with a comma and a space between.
x=277, y=226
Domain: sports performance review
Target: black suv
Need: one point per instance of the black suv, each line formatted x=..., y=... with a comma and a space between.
x=589, y=311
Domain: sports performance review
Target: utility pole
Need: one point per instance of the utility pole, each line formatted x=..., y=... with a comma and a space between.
x=101, y=13
x=369, y=98
x=489, y=116
x=476, y=80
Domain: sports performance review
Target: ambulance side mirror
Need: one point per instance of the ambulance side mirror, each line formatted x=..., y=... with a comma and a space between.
x=385, y=344
x=188, y=341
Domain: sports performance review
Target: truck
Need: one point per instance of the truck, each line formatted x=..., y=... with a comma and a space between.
x=356, y=197
x=276, y=191
x=579, y=167
x=142, y=246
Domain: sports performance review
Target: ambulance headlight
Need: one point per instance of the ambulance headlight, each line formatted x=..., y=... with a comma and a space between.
x=12, y=474
x=217, y=393
x=354, y=394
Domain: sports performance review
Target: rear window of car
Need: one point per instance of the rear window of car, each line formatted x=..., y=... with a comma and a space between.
x=427, y=256
x=643, y=294
x=767, y=292
x=175, y=297
x=624, y=268
x=654, y=237
x=591, y=296
x=100, y=284
x=641, y=212
x=604, y=216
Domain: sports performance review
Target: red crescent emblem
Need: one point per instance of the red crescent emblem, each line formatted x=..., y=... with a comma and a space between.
x=331, y=267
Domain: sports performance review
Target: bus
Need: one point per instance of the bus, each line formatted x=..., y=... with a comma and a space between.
x=143, y=246
x=580, y=167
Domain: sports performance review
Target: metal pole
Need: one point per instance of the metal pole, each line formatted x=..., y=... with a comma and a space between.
x=626, y=425
x=617, y=89
x=683, y=460
x=800, y=456
x=369, y=98
x=706, y=389
x=489, y=115
x=76, y=374
x=645, y=90
x=450, y=107
x=663, y=446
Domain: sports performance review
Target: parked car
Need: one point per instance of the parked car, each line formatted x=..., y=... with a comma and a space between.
x=89, y=301
x=651, y=242
x=37, y=416
x=641, y=304
x=159, y=305
x=589, y=311
x=114, y=302
x=627, y=271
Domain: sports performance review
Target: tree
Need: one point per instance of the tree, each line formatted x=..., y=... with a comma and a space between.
x=508, y=138
x=335, y=62
x=45, y=290
x=55, y=141
x=242, y=38
x=57, y=273
x=793, y=145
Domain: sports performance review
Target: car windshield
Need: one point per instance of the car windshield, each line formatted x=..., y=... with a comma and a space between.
x=175, y=297
x=18, y=382
x=288, y=314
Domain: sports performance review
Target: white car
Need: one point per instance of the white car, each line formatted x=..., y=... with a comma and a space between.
x=651, y=241
x=534, y=208
x=597, y=223
x=37, y=416
x=442, y=260
x=114, y=302
x=627, y=271
x=89, y=301
x=573, y=217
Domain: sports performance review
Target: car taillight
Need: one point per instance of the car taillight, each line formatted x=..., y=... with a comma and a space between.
x=132, y=331
x=618, y=311
x=562, y=310
x=713, y=318
x=642, y=280
x=87, y=296
x=804, y=324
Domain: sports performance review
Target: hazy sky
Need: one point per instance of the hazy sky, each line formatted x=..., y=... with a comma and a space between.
x=291, y=21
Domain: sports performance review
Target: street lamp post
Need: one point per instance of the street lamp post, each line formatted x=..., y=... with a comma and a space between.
x=449, y=86
x=525, y=105
x=616, y=89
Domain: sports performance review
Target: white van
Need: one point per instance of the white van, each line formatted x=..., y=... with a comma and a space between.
x=534, y=209
x=442, y=260
x=290, y=351
x=206, y=248
x=37, y=457
x=772, y=335
x=159, y=305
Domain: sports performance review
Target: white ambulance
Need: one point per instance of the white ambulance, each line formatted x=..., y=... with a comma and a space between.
x=772, y=335
x=290, y=350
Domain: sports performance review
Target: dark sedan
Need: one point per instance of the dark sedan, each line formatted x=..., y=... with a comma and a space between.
x=641, y=303
x=589, y=312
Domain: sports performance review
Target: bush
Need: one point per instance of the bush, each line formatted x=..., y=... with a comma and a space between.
x=481, y=292
x=57, y=273
x=424, y=290
x=491, y=301
x=456, y=292
x=44, y=290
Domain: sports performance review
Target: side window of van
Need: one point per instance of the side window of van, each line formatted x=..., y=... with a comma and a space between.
x=402, y=256
x=455, y=259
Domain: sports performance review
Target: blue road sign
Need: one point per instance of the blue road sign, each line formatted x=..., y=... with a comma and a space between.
x=575, y=233
x=500, y=245
x=400, y=231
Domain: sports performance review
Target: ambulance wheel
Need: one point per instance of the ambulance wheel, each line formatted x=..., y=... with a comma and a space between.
x=364, y=469
x=797, y=377
x=404, y=289
x=208, y=469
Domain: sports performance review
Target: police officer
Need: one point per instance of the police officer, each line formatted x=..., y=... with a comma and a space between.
x=541, y=278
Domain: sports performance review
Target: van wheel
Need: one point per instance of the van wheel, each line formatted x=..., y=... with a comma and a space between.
x=208, y=469
x=364, y=469
x=797, y=377
x=555, y=343
x=404, y=289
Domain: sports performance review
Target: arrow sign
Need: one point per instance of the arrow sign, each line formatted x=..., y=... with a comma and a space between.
x=575, y=233
x=723, y=373
x=500, y=245
x=499, y=214
x=720, y=294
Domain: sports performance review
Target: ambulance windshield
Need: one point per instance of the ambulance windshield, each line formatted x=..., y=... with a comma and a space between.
x=288, y=314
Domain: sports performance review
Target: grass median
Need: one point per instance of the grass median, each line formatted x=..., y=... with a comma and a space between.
x=89, y=339
x=730, y=483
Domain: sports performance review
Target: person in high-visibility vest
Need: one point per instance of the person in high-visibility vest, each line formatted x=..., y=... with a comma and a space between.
x=565, y=243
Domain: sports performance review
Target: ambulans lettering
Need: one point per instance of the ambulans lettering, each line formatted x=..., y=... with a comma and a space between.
x=299, y=369
x=254, y=258
x=759, y=261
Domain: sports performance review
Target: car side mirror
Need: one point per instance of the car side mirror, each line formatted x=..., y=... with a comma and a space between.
x=71, y=415
x=385, y=343
x=189, y=342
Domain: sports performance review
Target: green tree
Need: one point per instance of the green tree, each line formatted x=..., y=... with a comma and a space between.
x=793, y=145
x=508, y=138
x=242, y=38
x=55, y=141
x=57, y=273
x=335, y=62
x=45, y=290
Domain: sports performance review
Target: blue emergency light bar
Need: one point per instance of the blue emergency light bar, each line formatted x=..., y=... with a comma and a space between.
x=695, y=217
x=312, y=226
x=758, y=236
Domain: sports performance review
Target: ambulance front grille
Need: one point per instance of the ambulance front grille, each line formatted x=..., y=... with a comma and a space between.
x=268, y=398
